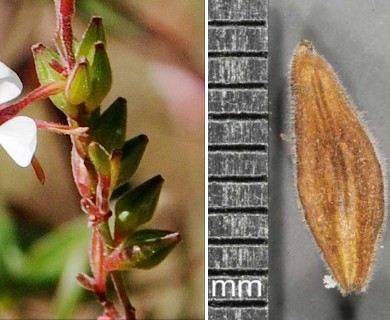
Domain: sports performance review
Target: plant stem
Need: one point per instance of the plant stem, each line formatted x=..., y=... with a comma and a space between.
x=117, y=279
x=40, y=93
x=120, y=289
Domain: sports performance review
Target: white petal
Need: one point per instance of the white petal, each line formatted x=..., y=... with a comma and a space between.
x=10, y=84
x=18, y=137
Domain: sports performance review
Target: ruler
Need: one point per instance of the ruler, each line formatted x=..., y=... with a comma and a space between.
x=238, y=159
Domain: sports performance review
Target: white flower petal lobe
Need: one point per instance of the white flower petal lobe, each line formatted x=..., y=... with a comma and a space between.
x=10, y=84
x=18, y=137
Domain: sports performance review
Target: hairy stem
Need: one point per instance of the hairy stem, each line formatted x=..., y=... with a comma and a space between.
x=65, y=12
x=120, y=290
x=116, y=276
x=39, y=93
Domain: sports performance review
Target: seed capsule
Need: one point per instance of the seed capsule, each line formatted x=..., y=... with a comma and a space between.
x=339, y=177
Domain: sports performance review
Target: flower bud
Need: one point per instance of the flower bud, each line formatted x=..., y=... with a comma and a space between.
x=93, y=34
x=100, y=72
x=78, y=87
x=44, y=58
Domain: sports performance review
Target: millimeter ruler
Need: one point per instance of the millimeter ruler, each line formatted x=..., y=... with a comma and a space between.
x=238, y=159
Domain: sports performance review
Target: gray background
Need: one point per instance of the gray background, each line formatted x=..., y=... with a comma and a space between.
x=354, y=36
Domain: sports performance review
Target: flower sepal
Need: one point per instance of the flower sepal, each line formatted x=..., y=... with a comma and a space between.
x=94, y=33
x=45, y=59
x=78, y=87
x=101, y=77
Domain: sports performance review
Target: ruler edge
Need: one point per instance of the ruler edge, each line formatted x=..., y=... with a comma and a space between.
x=207, y=114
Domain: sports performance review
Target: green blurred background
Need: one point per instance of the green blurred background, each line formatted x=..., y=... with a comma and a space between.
x=156, y=49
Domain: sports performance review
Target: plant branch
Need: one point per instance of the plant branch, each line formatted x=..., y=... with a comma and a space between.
x=65, y=12
x=120, y=289
x=116, y=276
x=39, y=93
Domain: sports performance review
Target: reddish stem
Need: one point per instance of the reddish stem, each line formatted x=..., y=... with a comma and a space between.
x=65, y=12
x=97, y=259
x=57, y=66
x=66, y=8
x=98, y=212
x=103, y=194
x=120, y=289
x=95, y=204
x=60, y=128
x=39, y=93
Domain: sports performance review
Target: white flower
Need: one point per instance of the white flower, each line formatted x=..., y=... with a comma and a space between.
x=10, y=84
x=18, y=136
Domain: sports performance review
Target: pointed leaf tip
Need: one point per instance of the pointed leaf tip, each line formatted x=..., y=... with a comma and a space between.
x=132, y=152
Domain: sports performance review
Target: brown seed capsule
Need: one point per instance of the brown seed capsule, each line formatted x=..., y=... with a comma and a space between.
x=339, y=176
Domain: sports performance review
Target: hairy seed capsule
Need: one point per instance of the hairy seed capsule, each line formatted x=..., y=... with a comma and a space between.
x=339, y=176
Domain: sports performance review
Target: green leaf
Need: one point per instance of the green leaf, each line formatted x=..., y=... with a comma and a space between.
x=110, y=130
x=100, y=158
x=132, y=152
x=120, y=191
x=94, y=33
x=136, y=207
x=100, y=72
x=144, y=249
x=48, y=256
x=43, y=58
